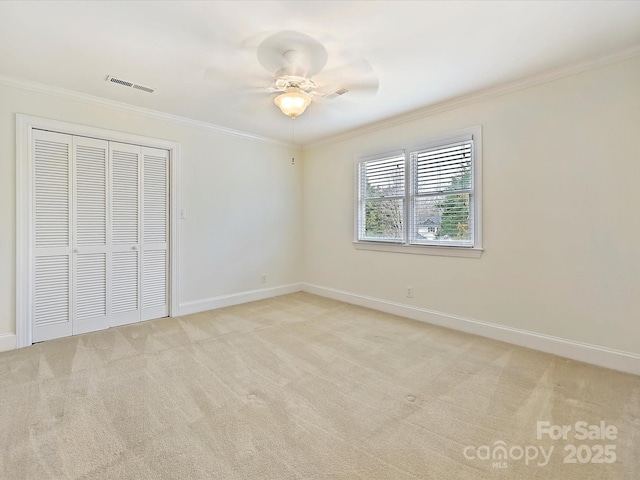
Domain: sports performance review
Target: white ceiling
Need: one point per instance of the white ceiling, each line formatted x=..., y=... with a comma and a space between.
x=201, y=56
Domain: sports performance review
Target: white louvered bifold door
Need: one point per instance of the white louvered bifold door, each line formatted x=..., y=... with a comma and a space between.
x=51, y=305
x=101, y=230
x=90, y=239
x=125, y=167
x=155, y=231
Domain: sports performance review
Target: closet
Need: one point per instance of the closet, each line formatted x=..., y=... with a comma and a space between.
x=100, y=223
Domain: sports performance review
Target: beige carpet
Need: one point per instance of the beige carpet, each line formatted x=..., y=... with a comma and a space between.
x=302, y=387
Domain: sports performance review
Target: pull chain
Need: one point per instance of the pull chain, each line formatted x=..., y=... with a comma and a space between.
x=293, y=140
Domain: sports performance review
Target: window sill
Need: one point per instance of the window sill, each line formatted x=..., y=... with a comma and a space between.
x=467, y=252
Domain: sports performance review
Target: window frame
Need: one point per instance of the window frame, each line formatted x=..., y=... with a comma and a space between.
x=404, y=245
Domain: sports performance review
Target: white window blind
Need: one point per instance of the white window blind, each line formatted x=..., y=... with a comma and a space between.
x=425, y=195
x=382, y=198
x=442, y=195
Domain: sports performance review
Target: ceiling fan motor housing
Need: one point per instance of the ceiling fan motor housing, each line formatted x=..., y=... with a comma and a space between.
x=284, y=81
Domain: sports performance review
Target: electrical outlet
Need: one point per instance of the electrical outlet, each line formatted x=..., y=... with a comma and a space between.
x=263, y=278
x=409, y=292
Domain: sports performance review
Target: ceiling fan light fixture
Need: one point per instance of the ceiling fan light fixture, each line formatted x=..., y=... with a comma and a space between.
x=293, y=102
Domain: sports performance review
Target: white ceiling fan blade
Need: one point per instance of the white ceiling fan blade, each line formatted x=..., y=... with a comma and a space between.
x=294, y=52
x=356, y=78
x=253, y=104
x=224, y=77
x=360, y=87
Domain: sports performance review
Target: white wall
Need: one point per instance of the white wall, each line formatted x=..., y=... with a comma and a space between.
x=561, y=222
x=243, y=200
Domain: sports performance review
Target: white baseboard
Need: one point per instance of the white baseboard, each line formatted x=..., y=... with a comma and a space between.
x=196, y=306
x=596, y=355
x=7, y=342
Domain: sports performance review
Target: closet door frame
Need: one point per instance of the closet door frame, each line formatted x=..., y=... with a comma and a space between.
x=25, y=244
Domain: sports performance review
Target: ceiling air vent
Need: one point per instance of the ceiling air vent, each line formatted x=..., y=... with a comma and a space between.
x=125, y=83
x=335, y=94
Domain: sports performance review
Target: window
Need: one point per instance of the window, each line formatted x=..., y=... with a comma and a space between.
x=424, y=198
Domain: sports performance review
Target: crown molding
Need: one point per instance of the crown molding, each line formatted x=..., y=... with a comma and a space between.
x=480, y=95
x=485, y=94
x=42, y=88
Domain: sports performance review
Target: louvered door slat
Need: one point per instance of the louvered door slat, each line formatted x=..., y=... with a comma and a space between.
x=125, y=282
x=51, y=290
x=155, y=198
x=90, y=252
x=51, y=313
x=125, y=196
x=52, y=159
x=91, y=291
x=155, y=185
x=125, y=233
x=155, y=279
x=91, y=195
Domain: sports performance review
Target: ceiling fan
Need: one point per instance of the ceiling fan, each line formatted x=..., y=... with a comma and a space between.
x=296, y=62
